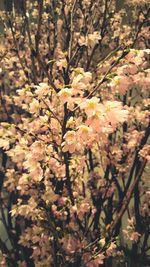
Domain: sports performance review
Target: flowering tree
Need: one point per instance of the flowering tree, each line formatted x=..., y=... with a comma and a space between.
x=74, y=134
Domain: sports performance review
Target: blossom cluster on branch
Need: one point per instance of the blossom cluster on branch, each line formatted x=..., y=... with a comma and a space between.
x=74, y=134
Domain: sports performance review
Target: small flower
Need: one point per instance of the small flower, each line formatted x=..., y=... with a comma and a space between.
x=65, y=95
x=115, y=112
x=42, y=90
x=120, y=84
x=110, y=251
x=70, y=142
x=93, y=38
x=91, y=106
x=102, y=241
x=145, y=152
x=84, y=133
x=34, y=107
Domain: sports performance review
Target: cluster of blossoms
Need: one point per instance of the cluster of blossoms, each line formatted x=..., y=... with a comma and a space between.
x=130, y=232
x=74, y=133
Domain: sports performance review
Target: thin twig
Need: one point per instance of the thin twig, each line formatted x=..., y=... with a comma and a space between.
x=128, y=197
x=71, y=30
